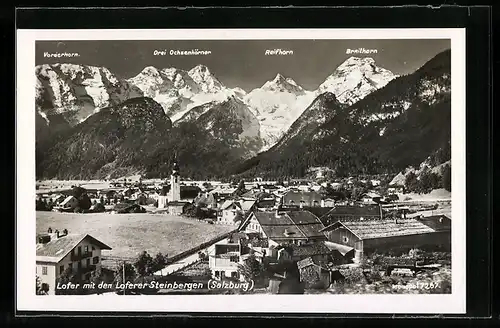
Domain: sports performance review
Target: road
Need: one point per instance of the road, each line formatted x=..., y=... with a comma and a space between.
x=181, y=264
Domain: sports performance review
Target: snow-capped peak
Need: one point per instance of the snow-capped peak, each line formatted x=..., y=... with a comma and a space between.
x=150, y=70
x=355, y=78
x=202, y=76
x=283, y=84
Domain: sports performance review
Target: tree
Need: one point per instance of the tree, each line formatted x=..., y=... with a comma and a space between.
x=143, y=264
x=411, y=182
x=252, y=269
x=428, y=181
x=446, y=177
x=159, y=262
x=80, y=194
x=97, y=276
x=41, y=289
x=68, y=276
x=241, y=188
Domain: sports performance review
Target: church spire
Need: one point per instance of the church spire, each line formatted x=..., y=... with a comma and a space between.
x=175, y=168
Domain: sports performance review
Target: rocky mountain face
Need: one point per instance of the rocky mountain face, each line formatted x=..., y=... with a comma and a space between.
x=178, y=91
x=229, y=121
x=390, y=129
x=361, y=119
x=72, y=92
x=137, y=137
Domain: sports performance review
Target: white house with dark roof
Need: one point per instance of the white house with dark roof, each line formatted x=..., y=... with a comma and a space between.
x=56, y=252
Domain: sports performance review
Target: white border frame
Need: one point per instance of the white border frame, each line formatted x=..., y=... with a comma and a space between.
x=26, y=299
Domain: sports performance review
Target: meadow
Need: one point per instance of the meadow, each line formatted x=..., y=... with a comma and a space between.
x=130, y=234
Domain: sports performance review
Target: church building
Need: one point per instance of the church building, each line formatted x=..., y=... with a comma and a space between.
x=170, y=196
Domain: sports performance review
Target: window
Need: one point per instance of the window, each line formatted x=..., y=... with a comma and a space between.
x=93, y=248
x=70, y=266
x=44, y=270
x=234, y=259
x=95, y=260
x=85, y=249
x=234, y=274
x=88, y=263
x=61, y=269
x=345, y=239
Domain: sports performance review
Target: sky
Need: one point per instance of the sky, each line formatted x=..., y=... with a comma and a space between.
x=243, y=63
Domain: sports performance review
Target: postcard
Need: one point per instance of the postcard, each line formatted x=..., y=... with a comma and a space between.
x=241, y=170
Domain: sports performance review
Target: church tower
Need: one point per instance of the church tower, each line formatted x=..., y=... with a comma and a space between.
x=175, y=184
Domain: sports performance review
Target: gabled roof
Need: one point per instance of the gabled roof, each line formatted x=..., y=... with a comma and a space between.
x=228, y=203
x=288, y=225
x=342, y=249
x=372, y=229
x=56, y=249
x=247, y=205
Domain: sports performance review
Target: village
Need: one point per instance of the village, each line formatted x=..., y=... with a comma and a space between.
x=315, y=235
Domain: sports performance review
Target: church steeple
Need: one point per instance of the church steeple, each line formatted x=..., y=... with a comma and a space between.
x=175, y=183
x=175, y=168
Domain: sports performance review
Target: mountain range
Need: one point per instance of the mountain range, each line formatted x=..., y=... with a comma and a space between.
x=278, y=129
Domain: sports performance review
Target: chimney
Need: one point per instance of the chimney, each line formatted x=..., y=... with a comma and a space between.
x=277, y=211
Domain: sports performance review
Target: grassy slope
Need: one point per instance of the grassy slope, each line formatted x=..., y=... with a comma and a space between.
x=130, y=234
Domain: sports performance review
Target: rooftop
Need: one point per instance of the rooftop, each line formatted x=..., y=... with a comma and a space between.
x=56, y=249
x=371, y=229
x=290, y=225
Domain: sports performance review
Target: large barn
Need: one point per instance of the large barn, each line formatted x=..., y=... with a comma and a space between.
x=366, y=236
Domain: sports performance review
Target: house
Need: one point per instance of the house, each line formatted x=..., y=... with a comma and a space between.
x=232, y=212
x=284, y=227
x=371, y=198
x=327, y=202
x=205, y=199
x=314, y=274
x=224, y=257
x=56, y=252
x=177, y=208
x=121, y=208
x=318, y=251
x=223, y=192
x=68, y=204
x=366, y=236
x=300, y=198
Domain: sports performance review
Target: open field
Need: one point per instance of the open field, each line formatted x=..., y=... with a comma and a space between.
x=130, y=234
